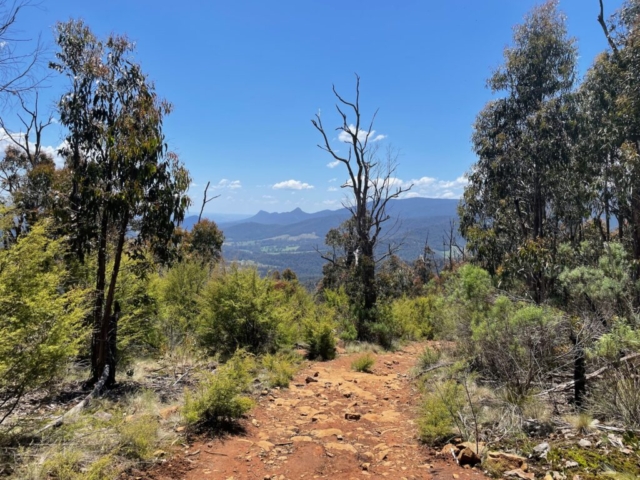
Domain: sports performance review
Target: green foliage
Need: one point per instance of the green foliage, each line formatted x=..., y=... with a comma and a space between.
x=280, y=368
x=42, y=317
x=338, y=300
x=363, y=363
x=413, y=317
x=218, y=396
x=178, y=290
x=525, y=181
x=518, y=344
x=138, y=436
x=238, y=310
x=441, y=403
x=319, y=334
x=430, y=356
x=205, y=241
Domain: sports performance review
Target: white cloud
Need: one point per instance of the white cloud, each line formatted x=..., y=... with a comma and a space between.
x=5, y=141
x=332, y=189
x=428, y=187
x=226, y=183
x=362, y=135
x=333, y=180
x=434, y=188
x=333, y=164
x=292, y=185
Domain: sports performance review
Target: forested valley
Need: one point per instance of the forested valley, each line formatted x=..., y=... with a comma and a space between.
x=126, y=339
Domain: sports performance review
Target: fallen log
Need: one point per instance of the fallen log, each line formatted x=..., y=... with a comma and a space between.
x=84, y=403
x=567, y=385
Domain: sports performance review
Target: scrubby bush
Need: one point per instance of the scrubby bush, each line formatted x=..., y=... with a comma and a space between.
x=429, y=357
x=518, y=345
x=441, y=403
x=319, y=334
x=218, y=396
x=138, y=436
x=363, y=363
x=413, y=317
x=178, y=291
x=42, y=325
x=238, y=310
x=338, y=301
x=280, y=368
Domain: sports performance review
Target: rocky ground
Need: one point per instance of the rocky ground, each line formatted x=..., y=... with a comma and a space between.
x=331, y=423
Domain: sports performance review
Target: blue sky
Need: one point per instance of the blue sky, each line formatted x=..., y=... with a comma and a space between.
x=246, y=77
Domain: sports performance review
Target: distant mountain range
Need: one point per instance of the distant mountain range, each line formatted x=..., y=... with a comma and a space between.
x=275, y=241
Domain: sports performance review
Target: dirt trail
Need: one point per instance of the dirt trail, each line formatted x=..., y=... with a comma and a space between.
x=331, y=423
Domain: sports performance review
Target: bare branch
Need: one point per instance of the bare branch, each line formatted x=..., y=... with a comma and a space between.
x=605, y=29
x=205, y=201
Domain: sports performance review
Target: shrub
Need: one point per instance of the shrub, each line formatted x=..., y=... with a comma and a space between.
x=42, y=324
x=429, y=357
x=238, y=310
x=319, y=336
x=178, y=291
x=280, y=369
x=413, y=317
x=338, y=301
x=363, y=363
x=439, y=411
x=138, y=436
x=218, y=396
x=518, y=345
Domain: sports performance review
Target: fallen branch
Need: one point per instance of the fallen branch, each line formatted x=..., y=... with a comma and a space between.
x=216, y=453
x=80, y=406
x=181, y=377
x=597, y=373
x=435, y=367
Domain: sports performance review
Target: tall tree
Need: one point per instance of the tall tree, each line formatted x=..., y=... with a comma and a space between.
x=615, y=76
x=123, y=175
x=372, y=186
x=520, y=194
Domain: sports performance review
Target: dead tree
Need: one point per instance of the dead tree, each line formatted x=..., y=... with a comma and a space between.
x=371, y=185
x=205, y=200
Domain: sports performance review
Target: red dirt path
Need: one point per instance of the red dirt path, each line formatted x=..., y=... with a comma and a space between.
x=303, y=433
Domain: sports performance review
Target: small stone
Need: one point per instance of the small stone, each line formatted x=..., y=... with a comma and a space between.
x=266, y=446
x=541, y=449
x=519, y=473
x=584, y=443
x=264, y=392
x=468, y=457
x=347, y=447
x=352, y=416
x=316, y=374
x=310, y=379
x=104, y=416
x=382, y=455
x=571, y=464
x=366, y=466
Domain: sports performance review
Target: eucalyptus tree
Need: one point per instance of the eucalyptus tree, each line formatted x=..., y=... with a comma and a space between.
x=616, y=75
x=372, y=185
x=522, y=191
x=123, y=176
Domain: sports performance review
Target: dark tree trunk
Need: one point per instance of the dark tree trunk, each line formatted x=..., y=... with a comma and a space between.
x=96, y=340
x=579, y=373
x=102, y=354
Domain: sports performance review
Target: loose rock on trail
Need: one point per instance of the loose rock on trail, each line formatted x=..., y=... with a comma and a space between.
x=330, y=423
